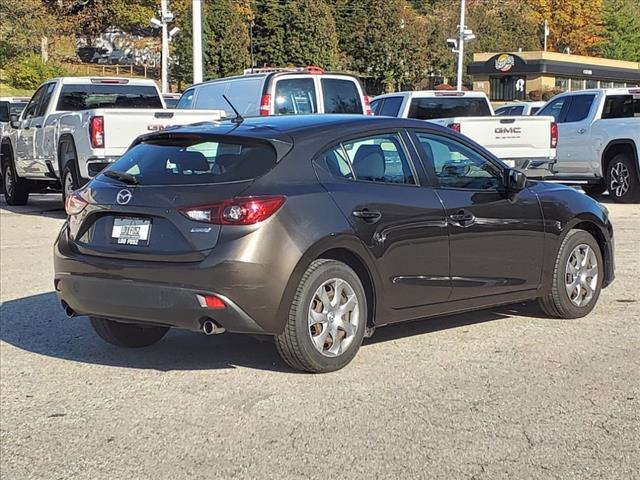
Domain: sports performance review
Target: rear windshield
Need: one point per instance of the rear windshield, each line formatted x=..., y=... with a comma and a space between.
x=340, y=96
x=445, y=107
x=621, y=106
x=84, y=97
x=195, y=161
x=243, y=93
x=295, y=96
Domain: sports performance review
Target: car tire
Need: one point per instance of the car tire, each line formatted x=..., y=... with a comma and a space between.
x=333, y=341
x=593, y=189
x=622, y=179
x=16, y=189
x=69, y=178
x=575, y=285
x=129, y=335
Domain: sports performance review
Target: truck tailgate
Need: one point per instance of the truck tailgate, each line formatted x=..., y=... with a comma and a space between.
x=122, y=126
x=520, y=137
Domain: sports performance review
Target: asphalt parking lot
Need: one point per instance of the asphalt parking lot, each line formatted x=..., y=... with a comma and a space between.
x=502, y=393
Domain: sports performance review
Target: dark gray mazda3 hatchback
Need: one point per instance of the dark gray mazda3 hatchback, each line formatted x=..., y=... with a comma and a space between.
x=316, y=230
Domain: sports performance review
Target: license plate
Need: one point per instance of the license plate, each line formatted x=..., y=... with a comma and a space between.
x=131, y=231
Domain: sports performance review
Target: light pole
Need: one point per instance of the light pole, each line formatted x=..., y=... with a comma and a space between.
x=197, y=40
x=165, y=18
x=464, y=35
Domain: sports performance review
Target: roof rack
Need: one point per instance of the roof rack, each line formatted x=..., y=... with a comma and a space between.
x=308, y=69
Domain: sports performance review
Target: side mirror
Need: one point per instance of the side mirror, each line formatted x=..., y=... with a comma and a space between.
x=14, y=121
x=515, y=180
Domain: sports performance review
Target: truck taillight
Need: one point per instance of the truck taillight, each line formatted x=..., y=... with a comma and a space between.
x=96, y=132
x=367, y=106
x=454, y=126
x=265, y=104
x=554, y=134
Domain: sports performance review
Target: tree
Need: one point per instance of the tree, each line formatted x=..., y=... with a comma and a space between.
x=621, y=30
x=269, y=33
x=573, y=24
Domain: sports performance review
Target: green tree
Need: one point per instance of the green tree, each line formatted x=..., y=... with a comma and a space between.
x=310, y=36
x=268, y=33
x=621, y=30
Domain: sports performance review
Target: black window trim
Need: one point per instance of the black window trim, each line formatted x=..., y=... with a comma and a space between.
x=430, y=169
x=401, y=132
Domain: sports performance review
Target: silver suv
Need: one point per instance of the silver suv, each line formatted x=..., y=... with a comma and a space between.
x=269, y=91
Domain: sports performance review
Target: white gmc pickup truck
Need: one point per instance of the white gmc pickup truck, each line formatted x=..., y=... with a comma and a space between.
x=74, y=127
x=599, y=142
x=524, y=142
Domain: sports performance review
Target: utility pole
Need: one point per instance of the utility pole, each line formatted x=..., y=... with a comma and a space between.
x=461, y=40
x=197, y=40
x=164, y=10
x=546, y=33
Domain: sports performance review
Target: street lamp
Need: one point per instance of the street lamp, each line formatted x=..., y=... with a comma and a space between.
x=457, y=45
x=166, y=17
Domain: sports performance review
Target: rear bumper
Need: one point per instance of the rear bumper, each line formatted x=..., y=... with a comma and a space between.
x=165, y=293
x=158, y=304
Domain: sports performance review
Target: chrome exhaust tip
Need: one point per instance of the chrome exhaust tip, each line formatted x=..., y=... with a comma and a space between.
x=68, y=310
x=209, y=327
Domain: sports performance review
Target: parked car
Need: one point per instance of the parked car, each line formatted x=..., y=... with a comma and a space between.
x=316, y=229
x=74, y=127
x=9, y=106
x=526, y=143
x=280, y=91
x=599, y=141
x=519, y=108
x=171, y=99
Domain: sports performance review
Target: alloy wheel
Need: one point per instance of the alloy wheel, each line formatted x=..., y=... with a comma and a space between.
x=8, y=182
x=334, y=316
x=581, y=275
x=620, y=179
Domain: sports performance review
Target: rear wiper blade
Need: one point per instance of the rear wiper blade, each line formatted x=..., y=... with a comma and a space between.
x=122, y=176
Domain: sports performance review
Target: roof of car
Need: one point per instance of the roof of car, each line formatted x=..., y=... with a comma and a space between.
x=285, y=126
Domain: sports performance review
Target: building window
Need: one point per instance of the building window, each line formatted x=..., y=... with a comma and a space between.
x=562, y=84
x=604, y=84
x=591, y=84
x=577, y=84
x=508, y=88
x=618, y=85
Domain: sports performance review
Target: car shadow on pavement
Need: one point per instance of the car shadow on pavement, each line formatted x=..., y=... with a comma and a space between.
x=37, y=324
x=43, y=205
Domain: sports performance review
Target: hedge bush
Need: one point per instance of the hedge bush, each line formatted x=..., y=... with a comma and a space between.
x=30, y=71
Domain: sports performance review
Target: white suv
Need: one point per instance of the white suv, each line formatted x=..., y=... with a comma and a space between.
x=269, y=91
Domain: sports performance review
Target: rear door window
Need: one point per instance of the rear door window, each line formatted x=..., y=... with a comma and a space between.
x=380, y=158
x=391, y=106
x=554, y=108
x=621, y=106
x=340, y=96
x=84, y=97
x=195, y=161
x=579, y=108
x=518, y=110
x=445, y=107
x=186, y=100
x=295, y=96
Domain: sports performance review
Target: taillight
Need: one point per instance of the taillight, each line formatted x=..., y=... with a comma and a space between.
x=75, y=203
x=367, y=106
x=236, y=211
x=554, y=134
x=454, y=126
x=265, y=104
x=96, y=132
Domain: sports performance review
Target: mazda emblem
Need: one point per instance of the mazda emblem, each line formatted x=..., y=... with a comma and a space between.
x=123, y=197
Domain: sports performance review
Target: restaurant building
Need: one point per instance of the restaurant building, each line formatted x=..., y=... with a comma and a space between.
x=515, y=75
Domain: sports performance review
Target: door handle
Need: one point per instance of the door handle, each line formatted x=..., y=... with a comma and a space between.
x=463, y=218
x=367, y=215
x=582, y=130
x=38, y=126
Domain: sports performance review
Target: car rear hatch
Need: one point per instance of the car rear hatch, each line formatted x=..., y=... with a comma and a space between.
x=137, y=208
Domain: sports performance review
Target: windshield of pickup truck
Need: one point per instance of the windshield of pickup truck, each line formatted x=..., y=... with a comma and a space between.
x=445, y=107
x=85, y=97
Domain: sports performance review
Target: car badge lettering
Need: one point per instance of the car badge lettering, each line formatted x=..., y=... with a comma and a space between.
x=123, y=197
